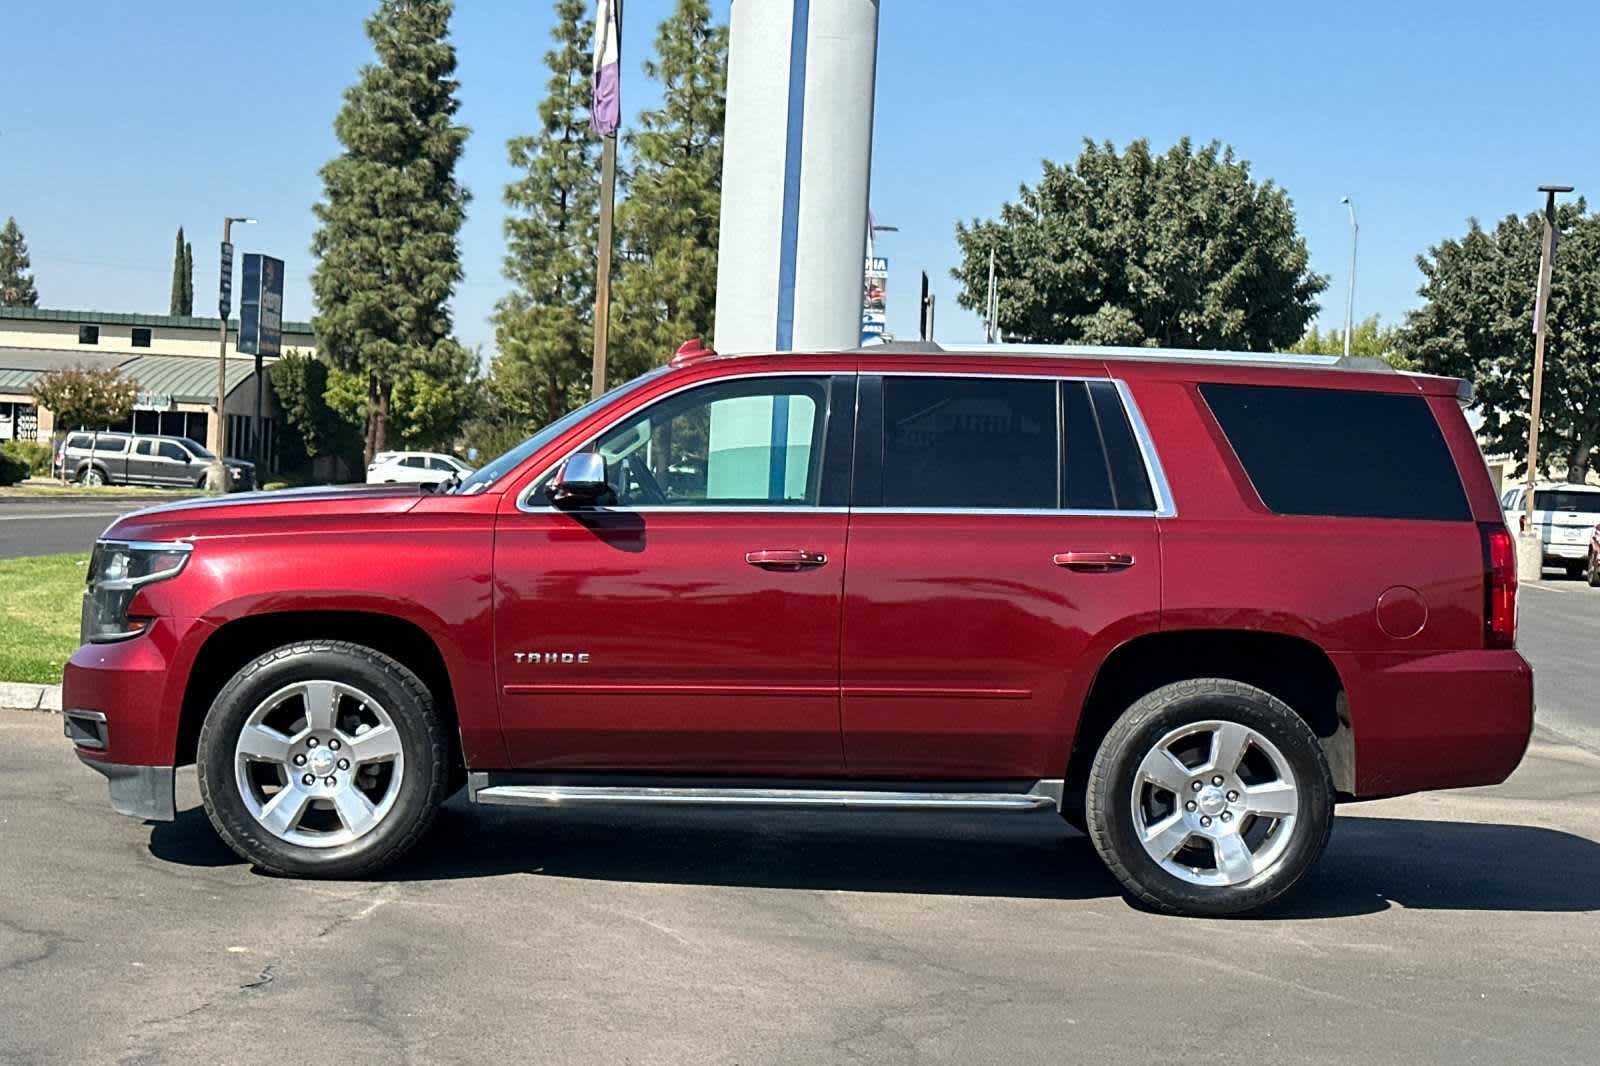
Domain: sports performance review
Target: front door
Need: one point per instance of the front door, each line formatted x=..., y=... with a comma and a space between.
x=691, y=622
x=1003, y=540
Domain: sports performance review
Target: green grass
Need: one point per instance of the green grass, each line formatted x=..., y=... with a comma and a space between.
x=39, y=603
x=39, y=488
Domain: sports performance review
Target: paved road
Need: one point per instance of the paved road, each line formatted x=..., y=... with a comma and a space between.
x=1559, y=633
x=1456, y=927
x=45, y=527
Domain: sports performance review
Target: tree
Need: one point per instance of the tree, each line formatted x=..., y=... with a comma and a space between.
x=1368, y=339
x=1477, y=323
x=182, y=302
x=387, y=246
x=80, y=397
x=666, y=290
x=300, y=382
x=1181, y=250
x=544, y=327
x=16, y=283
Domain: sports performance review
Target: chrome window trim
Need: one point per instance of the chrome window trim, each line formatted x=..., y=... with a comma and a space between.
x=526, y=505
x=1165, y=507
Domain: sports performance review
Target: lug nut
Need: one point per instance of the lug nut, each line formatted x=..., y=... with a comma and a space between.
x=299, y=760
x=1217, y=780
x=329, y=781
x=309, y=779
x=1195, y=786
x=1233, y=796
x=344, y=764
x=334, y=744
x=1205, y=820
x=1191, y=805
x=1227, y=816
x=311, y=743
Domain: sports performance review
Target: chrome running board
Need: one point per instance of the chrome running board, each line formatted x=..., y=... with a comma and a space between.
x=484, y=788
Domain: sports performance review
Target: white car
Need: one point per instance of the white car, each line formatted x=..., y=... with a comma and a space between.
x=414, y=468
x=1565, y=516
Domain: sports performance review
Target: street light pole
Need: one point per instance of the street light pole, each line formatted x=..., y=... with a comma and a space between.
x=1530, y=553
x=1350, y=294
x=217, y=474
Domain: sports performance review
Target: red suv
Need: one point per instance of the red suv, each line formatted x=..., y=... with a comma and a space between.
x=1186, y=601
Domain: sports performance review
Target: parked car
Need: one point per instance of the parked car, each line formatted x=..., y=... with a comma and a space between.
x=1591, y=570
x=415, y=468
x=1565, y=516
x=1185, y=602
x=141, y=459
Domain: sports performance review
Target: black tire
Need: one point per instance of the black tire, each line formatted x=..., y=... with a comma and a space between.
x=93, y=475
x=1576, y=570
x=423, y=744
x=1137, y=732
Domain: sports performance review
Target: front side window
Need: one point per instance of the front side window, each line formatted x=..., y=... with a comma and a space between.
x=441, y=464
x=730, y=444
x=170, y=450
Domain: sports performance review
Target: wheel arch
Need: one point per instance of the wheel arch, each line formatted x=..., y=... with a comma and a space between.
x=1292, y=668
x=235, y=643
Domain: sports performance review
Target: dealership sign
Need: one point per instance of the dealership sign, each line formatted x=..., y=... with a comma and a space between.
x=261, y=305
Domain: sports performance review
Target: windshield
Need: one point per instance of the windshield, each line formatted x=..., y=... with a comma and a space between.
x=1567, y=500
x=491, y=472
x=198, y=449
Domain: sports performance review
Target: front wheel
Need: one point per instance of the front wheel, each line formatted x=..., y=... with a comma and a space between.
x=322, y=759
x=1209, y=798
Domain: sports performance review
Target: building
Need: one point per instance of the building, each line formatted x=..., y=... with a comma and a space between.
x=172, y=359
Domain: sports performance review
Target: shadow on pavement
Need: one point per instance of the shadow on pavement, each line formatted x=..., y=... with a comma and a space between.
x=1371, y=863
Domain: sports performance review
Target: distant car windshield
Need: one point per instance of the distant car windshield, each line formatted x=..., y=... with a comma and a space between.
x=1567, y=500
x=491, y=472
x=198, y=449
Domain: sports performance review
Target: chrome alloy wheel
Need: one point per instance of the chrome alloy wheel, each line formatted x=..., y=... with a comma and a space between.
x=319, y=764
x=1215, y=803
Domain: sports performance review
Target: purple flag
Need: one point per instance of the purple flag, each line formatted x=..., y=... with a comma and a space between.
x=605, y=108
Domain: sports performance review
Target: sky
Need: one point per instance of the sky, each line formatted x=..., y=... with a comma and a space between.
x=123, y=121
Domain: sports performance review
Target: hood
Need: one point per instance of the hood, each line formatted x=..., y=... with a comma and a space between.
x=281, y=511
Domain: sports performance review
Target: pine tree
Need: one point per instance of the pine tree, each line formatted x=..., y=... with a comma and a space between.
x=667, y=288
x=182, y=282
x=16, y=283
x=388, y=251
x=188, y=278
x=544, y=328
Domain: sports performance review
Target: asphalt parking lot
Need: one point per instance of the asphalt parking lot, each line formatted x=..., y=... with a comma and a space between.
x=33, y=526
x=1457, y=927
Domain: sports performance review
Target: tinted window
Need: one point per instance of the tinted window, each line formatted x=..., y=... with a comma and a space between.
x=143, y=447
x=440, y=464
x=88, y=334
x=114, y=445
x=1087, y=485
x=1130, y=483
x=169, y=450
x=415, y=461
x=1566, y=500
x=969, y=443
x=80, y=440
x=1333, y=452
x=740, y=443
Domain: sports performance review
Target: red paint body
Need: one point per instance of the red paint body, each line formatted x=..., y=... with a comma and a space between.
x=929, y=646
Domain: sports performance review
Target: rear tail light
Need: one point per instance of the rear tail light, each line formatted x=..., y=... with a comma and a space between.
x=1500, y=586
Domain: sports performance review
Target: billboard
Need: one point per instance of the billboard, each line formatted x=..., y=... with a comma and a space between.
x=874, y=297
x=261, y=305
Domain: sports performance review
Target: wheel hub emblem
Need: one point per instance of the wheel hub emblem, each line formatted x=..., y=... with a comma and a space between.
x=321, y=761
x=1212, y=802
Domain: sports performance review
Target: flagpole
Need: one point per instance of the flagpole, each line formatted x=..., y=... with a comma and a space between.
x=602, y=287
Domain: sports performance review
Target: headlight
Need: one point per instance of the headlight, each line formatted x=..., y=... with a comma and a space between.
x=117, y=570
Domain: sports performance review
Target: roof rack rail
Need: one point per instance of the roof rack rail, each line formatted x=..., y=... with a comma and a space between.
x=1101, y=351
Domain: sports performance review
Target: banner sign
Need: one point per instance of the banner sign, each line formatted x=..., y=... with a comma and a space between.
x=874, y=298
x=152, y=401
x=225, y=290
x=261, y=305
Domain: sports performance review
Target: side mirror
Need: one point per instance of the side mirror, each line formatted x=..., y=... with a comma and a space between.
x=581, y=481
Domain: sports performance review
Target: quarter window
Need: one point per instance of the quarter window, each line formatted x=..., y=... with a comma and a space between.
x=731, y=444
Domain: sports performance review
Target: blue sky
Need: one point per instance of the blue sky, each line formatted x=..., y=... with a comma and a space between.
x=119, y=127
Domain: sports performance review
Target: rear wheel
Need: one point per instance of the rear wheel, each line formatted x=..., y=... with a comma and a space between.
x=91, y=476
x=1209, y=797
x=322, y=759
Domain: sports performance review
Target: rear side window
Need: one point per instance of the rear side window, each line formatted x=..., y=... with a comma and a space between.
x=111, y=445
x=1566, y=500
x=969, y=443
x=1340, y=453
x=80, y=440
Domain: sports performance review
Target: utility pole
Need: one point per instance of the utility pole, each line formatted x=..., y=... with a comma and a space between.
x=602, y=279
x=991, y=307
x=1350, y=293
x=605, y=118
x=1530, y=548
x=217, y=475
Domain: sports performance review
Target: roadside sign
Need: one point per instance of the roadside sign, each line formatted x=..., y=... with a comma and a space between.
x=261, y=305
x=225, y=293
x=874, y=298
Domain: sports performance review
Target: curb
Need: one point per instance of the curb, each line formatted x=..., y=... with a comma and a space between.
x=17, y=696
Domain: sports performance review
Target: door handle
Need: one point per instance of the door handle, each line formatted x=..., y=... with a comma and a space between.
x=1093, y=562
x=785, y=559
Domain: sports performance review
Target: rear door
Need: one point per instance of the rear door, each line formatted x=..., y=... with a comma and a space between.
x=1002, y=540
x=142, y=463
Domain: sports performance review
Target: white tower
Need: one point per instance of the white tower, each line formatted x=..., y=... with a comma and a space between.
x=797, y=160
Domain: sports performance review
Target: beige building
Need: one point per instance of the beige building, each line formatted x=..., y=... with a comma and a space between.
x=172, y=360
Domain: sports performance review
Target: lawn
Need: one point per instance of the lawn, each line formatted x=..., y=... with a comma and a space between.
x=44, y=489
x=39, y=604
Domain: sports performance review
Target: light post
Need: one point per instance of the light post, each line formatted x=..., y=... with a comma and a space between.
x=1350, y=294
x=218, y=473
x=1530, y=547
